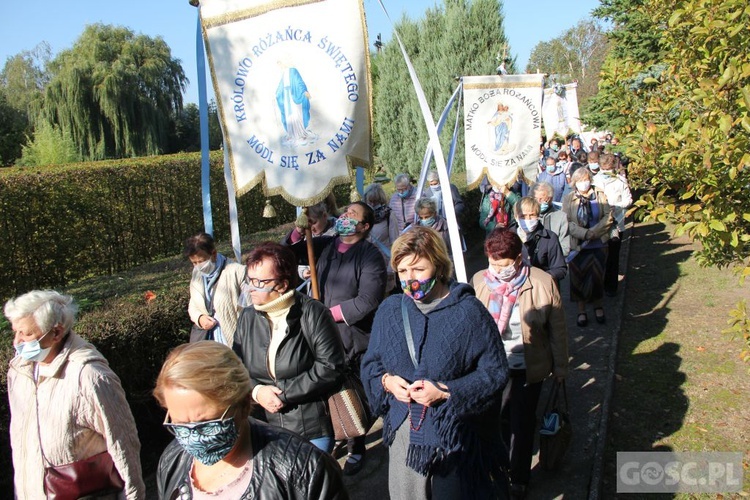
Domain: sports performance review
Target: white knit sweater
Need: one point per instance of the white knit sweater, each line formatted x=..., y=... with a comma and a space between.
x=226, y=299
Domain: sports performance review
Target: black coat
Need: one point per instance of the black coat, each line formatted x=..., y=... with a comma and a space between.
x=285, y=466
x=355, y=280
x=309, y=363
x=542, y=250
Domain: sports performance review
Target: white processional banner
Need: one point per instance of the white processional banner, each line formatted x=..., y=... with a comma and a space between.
x=560, y=110
x=502, y=123
x=292, y=83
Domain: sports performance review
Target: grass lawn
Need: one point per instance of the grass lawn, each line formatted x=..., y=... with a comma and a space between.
x=679, y=384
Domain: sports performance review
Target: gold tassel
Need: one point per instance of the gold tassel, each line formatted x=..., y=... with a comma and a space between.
x=302, y=221
x=268, y=211
x=354, y=195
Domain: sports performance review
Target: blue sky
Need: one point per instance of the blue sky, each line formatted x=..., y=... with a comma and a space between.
x=24, y=24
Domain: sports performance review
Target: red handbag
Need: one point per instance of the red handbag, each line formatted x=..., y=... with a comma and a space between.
x=95, y=475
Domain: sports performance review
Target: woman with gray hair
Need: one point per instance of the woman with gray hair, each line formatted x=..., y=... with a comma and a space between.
x=589, y=219
x=435, y=191
x=66, y=403
x=549, y=215
x=402, y=203
x=427, y=216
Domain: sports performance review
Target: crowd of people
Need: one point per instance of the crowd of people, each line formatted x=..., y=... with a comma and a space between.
x=454, y=370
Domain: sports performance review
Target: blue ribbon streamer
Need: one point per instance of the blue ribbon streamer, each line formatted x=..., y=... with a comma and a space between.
x=208, y=222
x=428, y=151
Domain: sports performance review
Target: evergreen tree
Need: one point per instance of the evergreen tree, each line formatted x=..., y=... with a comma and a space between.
x=115, y=93
x=458, y=38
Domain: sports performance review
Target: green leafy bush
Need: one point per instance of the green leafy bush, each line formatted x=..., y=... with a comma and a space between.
x=65, y=223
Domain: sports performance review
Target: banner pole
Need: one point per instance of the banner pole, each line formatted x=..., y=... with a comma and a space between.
x=311, y=260
x=208, y=221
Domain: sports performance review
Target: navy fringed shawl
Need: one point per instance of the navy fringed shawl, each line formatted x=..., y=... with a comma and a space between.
x=458, y=344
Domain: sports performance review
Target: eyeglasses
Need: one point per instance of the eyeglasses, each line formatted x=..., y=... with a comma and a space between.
x=257, y=282
x=206, y=428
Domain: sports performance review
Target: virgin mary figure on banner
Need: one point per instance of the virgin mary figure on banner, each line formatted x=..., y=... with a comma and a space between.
x=293, y=100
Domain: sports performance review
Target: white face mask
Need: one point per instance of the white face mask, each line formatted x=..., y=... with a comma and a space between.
x=206, y=267
x=583, y=186
x=505, y=274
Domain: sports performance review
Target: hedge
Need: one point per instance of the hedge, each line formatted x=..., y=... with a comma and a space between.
x=62, y=224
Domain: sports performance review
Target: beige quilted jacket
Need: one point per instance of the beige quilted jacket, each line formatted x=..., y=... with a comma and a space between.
x=82, y=412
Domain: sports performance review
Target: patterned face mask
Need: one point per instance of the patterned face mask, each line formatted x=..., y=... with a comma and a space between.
x=208, y=442
x=418, y=289
x=346, y=226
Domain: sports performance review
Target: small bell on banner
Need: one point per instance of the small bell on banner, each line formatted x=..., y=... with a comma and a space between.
x=268, y=211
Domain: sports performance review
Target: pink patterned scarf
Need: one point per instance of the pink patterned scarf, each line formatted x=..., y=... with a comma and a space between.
x=503, y=295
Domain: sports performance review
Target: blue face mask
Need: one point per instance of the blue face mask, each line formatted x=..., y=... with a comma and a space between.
x=544, y=206
x=207, y=442
x=528, y=225
x=427, y=222
x=418, y=289
x=32, y=350
x=404, y=194
x=551, y=169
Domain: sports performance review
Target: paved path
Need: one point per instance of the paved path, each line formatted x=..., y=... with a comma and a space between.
x=592, y=351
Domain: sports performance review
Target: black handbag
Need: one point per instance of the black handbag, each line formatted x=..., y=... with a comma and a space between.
x=556, y=432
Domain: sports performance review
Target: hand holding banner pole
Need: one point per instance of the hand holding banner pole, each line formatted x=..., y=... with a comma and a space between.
x=304, y=223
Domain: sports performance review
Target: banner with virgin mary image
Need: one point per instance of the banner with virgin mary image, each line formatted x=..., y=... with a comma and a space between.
x=292, y=87
x=560, y=110
x=503, y=127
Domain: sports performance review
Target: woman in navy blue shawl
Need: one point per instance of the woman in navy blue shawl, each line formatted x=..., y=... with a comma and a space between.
x=440, y=407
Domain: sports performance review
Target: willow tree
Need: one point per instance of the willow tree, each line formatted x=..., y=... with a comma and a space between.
x=115, y=93
x=458, y=38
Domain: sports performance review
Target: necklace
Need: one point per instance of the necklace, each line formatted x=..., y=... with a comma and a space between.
x=421, y=418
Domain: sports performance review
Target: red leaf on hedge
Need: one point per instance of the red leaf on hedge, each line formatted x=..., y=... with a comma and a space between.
x=149, y=296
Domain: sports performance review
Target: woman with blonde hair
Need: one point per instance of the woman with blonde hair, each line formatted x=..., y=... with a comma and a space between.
x=435, y=371
x=218, y=449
